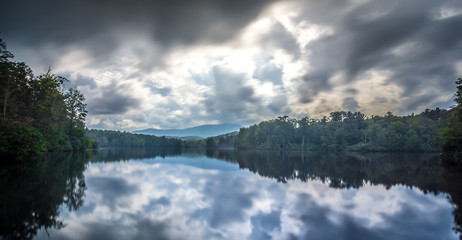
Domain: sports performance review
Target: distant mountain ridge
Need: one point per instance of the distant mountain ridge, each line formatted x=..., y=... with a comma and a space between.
x=203, y=131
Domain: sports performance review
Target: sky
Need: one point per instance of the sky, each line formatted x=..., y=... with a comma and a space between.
x=179, y=64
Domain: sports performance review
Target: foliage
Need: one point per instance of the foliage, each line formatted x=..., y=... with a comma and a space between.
x=38, y=114
x=452, y=133
x=224, y=141
x=110, y=139
x=20, y=138
x=351, y=131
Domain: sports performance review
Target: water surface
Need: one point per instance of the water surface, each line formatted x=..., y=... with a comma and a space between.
x=123, y=194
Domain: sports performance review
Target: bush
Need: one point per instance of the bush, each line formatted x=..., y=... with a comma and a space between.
x=19, y=138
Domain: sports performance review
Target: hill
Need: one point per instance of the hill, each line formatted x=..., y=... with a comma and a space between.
x=202, y=131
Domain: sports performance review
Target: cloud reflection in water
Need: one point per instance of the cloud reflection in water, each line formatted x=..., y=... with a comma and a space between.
x=203, y=198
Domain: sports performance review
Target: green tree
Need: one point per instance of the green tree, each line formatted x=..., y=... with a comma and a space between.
x=452, y=134
x=76, y=107
x=37, y=110
x=15, y=78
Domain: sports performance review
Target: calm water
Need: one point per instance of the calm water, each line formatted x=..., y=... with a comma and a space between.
x=121, y=194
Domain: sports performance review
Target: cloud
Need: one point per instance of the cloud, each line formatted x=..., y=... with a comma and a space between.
x=323, y=222
x=279, y=38
x=157, y=88
x=269, y=72
x=235, y=196
x=278, y=105
x=231, y=99
x=163, y=91
x=317, y=224
x=82, y=81
x=112, y=101
x=418, y=227
x=350, y=104
x=147, y=229
x=404, y=38
x=97, y=230
x=263, y=224
x=163, y=201
x=140, y=228
x=100, y=26
x=183, y=63
x=115, y=191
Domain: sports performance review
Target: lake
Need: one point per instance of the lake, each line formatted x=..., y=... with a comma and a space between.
x=137, y=194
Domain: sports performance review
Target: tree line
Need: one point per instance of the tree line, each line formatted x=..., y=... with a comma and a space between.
x=117, y=139
x=432, y=130
x=352, y=131
x=37, y=113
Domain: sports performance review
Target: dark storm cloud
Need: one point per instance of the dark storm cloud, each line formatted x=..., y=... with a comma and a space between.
x=95, y=24
x=312, y=85
x=112, y=101
x=280, y=38
x=231, y=100
x=420, y=102
x=404, y=37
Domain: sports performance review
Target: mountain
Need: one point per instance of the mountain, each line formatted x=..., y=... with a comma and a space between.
x=203, y=131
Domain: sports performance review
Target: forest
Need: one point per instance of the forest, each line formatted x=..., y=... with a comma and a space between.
x=117, y=139
x=351, y=131
x=37, y=113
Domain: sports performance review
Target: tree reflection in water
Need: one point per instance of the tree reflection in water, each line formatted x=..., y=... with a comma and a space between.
x=452, y=177
x=355, y=170
x=34, y=189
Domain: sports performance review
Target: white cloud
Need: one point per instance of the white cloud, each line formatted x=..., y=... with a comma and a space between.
x=310, y=56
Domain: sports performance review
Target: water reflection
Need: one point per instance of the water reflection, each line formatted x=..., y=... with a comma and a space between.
x=128, y=154
x=247, y=195
x=33, y=191
x=452, y=177
x=348, y=170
